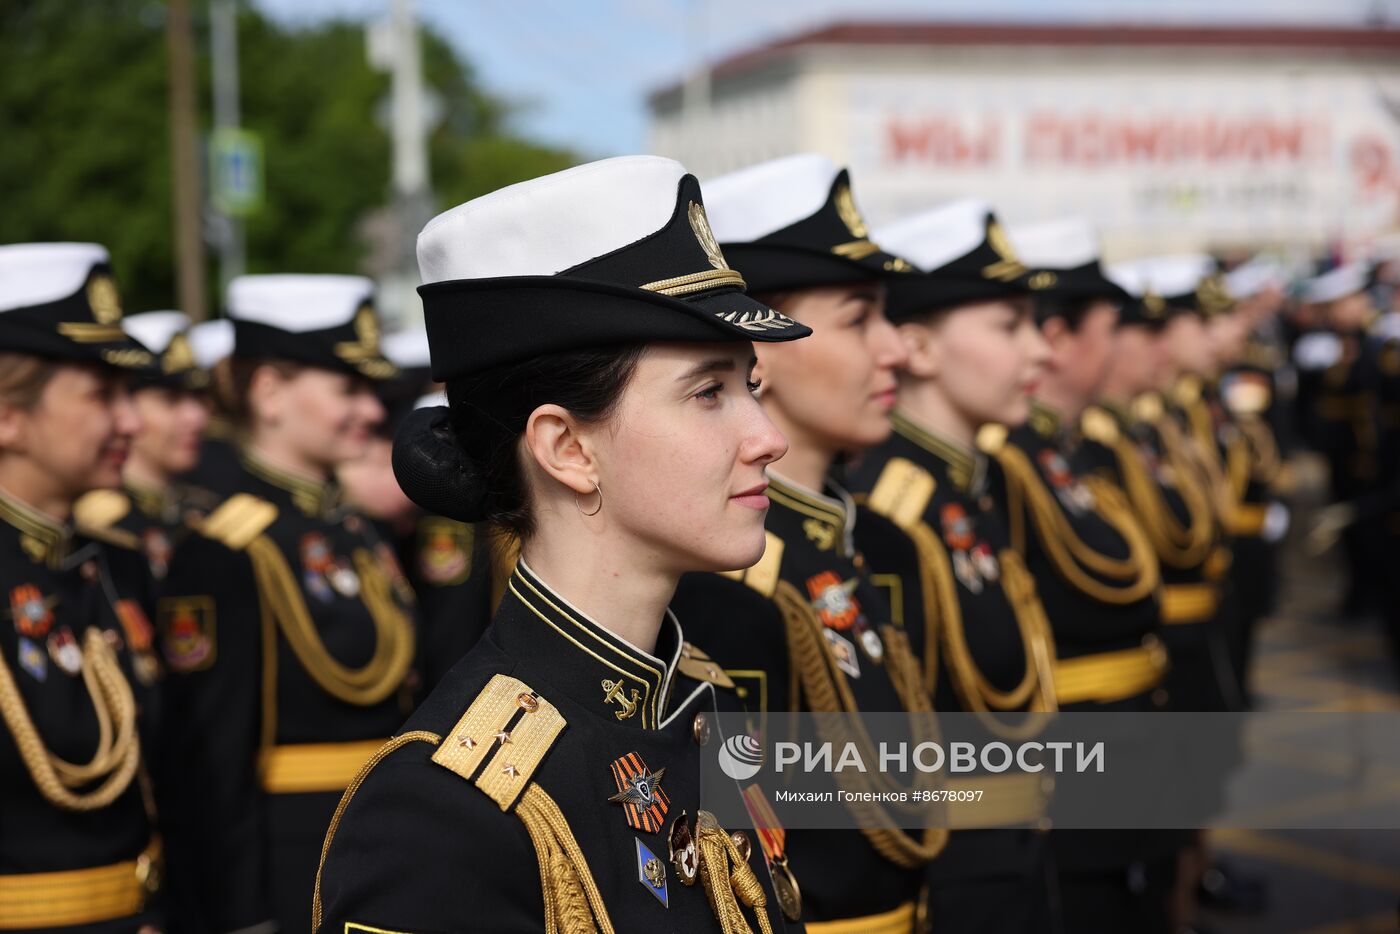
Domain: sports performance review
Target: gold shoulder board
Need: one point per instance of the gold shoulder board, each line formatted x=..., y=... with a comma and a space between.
x=100, y=509
x=763, y=575
x=501, y=739
x=1147, y=407
x=902, y=492
x=1098, y=425
x=695, y=663
x=119, y=537
x=991, y=437
x=242, y=518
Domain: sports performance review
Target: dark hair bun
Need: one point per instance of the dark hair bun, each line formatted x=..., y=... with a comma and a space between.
x=433, y=471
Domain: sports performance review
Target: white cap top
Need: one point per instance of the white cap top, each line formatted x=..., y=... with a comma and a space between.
x=211, y=341
x=1251, y=278
x=1067, y=243
x=406, y=349
x=298, y=303
x=1337, y=283
x=1163, y=275
x=154, y=329
x=546, y=225
x=38, y=273
x=934, y=238
x=753, y=202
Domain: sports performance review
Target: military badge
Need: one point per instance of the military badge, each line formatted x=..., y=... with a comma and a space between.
x=651, y=873
x=32, y=611
x=639, y=791
x=685, y=857
x=32, y=660
x=187, y=631
x=65, y=651
x=156, y=544
x=140, y=638
x=843, y=653
x=343, y=578
x=960, y=536
x=834, y=600
x=1073, y=495
x=444, y=551
x=316, y=562
x=869, y=640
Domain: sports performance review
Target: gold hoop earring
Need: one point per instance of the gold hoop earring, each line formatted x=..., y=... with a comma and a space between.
x=577, y=506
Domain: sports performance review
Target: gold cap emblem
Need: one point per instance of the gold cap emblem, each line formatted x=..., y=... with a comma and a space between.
x=700, y=224
x=104, y=299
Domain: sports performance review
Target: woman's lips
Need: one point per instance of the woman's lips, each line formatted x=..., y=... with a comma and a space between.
x=885, y=399
x=753, y=497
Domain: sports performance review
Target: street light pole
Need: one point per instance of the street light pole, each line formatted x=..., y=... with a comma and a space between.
x=189, y=245
x=223, y=23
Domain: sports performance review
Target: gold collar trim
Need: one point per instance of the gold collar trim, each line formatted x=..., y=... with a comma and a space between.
x=1044, y=420
x=157, y=504
x=311, y=496
x=964, y=465
x=42, y=537
x=835, y=514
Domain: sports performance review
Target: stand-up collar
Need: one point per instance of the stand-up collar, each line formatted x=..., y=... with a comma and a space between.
x=598, y=669
x=966, y=467
x=1044, y=420
x=828, y=517
x=312, y=496
x=42, y=537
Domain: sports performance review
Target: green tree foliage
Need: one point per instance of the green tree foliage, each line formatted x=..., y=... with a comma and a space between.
x=85, y=137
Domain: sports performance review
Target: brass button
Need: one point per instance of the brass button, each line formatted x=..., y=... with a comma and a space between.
x=1159, y=697
x=741, y=843
x=700, y=729
x=528, y=702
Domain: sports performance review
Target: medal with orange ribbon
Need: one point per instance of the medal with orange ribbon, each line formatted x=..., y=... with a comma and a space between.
x=773, y=838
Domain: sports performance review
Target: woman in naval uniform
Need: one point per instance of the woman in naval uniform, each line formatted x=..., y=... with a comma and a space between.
x=974, y=355
x=807, y=628
x=596, y=348
x=78, y=848
x=172, y=401
x=1093, y=564
x=285, y=623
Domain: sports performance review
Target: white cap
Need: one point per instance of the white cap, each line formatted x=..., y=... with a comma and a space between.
x=1167, y=276
x=1067, y=243
x=211, y=341
x=38, y=273
x=754, y=202
x=1337, y=283
x=154, y=329
x=298, y=303
x=407, y=349
x=934, y=238
x=547, y=225
x=1251, y=278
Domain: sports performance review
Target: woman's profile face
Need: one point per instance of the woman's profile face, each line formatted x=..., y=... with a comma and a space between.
x=682, y=458
x=172, y=426
x=836, y=388
x=1188, y=345
x=327, y=417
x=989, y=356
x=79, y=433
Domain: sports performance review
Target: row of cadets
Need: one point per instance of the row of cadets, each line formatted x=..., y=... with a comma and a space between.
x=289, y=646
x=595, y=346
x=974, y=354
x=808, y=627
x=78, y=699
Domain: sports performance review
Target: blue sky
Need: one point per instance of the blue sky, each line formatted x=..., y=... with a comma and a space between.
x=580, y=69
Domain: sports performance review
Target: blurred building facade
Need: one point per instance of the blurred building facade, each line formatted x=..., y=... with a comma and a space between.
x=1168, y=137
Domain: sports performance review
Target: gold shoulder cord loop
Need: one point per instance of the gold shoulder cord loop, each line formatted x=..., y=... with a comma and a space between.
x=728, y=880
x=572, y=902
x=117, y=758
x=1265, y=461
x=1067, y=551
x=1193, y=480
x=393, y=651
x=1176, y=546
x=1212, y=468
x=827, y=691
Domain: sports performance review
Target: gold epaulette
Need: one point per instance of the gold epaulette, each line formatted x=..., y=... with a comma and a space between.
x=695, y=663
x=241, y=519
x=500, y=741
x=110, y=536
x=991, y=437
x=1147, y=407
x=101, y=508
x=763, y=575
x=902, y=492
x=1187, y=390
x=1097, y=425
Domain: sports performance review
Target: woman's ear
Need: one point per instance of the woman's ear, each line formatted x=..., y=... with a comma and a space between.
x=13, y=420
x=267, y=391
x=556, y=446
x=925, y=350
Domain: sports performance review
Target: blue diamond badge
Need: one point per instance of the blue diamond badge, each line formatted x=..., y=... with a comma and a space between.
x=33, y=660
x=651, y=872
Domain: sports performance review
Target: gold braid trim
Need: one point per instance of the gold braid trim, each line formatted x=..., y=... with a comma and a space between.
x=116, y=759
x=1193, y=478
x=728, y=880
x=1176, y=546
x=416, y=736
x=572, y=902
x=1067, y=551
x=393, y=652
x=1208, y=457
x=826, y=690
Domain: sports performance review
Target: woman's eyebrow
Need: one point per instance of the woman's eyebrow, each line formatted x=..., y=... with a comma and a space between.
x=716, y=365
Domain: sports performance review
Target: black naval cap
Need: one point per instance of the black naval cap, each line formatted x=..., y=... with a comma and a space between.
x=173, y=364
x=1167, y=286
x=612, y=252
x=792, y=223
x=325, y=321
x=59, y=300
x=961, y=254
x=1065, y=256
